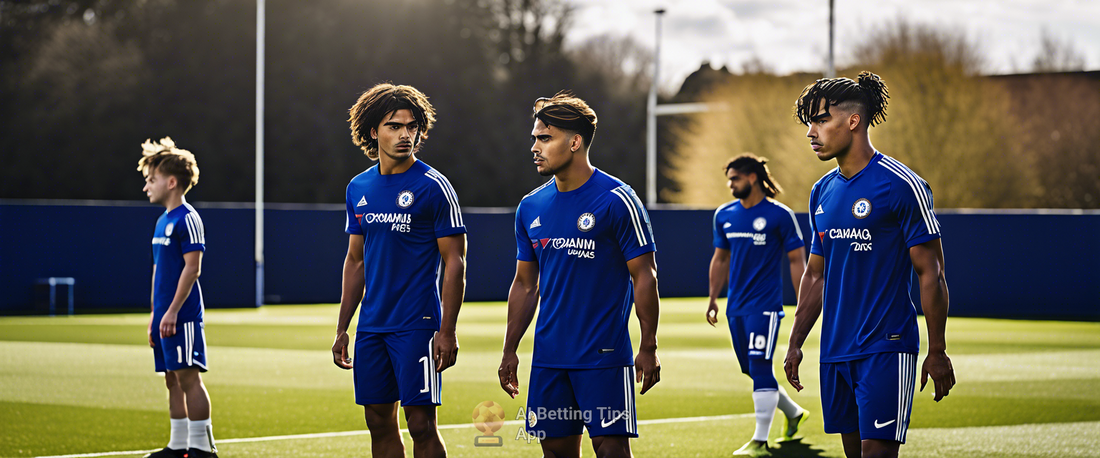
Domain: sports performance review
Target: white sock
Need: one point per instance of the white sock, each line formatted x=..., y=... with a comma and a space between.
x=787, y=405
x=765, y=402
x=178, y=440
x=202, y=435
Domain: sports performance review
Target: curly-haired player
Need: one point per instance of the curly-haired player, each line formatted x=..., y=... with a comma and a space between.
x=405, y=230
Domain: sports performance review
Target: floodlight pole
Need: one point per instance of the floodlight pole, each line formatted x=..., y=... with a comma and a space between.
x=260, y=16
x=651, y=119
x=831, y=72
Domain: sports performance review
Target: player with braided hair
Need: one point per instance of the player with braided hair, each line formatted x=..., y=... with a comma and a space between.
x=752, y=236
x=873, y=224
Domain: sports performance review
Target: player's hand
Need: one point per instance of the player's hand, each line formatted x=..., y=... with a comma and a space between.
x=938, y=365
x=168, y=324
x=509, y=382
x=150, y=330
x=790, y=366
x=648, y=368
x=446, y=350
x=712, y=313
x=340, y=351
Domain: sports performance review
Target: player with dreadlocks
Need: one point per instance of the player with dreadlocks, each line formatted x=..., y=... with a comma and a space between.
x=873, y=223
x=752, y=236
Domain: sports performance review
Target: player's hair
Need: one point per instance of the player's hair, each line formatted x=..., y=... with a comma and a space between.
x=868, y=94
x=381, y=100
x=164, y=157
x=567, y=112
x=750, y=163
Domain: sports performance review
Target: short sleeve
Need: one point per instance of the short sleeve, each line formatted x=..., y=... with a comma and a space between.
x=525, y=249
x=193, y=235
x=351, y=220
x=718, y=235
x=631, y=223
x=815, y=242
x=911, y=202
x=447, y=215
x=789, y=231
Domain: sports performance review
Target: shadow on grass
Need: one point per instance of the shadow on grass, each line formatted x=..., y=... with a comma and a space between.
x=796, y=448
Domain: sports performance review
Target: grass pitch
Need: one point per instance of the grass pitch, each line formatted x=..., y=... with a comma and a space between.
x=85, y=385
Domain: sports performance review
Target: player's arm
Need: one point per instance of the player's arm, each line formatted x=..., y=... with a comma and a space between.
x=643, y=270
x=810, y=290
x=719, y=271
x=192, y=268
x=928, y=264
x=152, y=295
x=351, y=294
x=523, y=300
x=797, y=257
x=453, y=250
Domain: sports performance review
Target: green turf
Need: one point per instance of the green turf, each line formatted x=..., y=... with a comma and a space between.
x=85, y=384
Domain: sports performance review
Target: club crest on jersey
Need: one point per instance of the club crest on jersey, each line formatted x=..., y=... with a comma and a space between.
x=532, y=419
x=405, y=199
x=861, y=208
x=168, y=229
x=586, y=222
x=759, y=223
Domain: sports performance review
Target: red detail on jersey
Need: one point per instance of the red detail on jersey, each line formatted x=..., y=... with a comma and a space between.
x=821, y=235
x=359, y=218
x=544, y=242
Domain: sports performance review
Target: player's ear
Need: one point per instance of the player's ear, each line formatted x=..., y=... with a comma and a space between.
x=576, y=143
x=853, y=120
x=374, y=133
x=172, y=182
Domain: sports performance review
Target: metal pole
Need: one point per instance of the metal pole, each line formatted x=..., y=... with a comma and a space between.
x=831, y=72
x=260, y=17
x=651, y=119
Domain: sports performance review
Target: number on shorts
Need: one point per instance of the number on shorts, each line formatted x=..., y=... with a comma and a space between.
x=757, y=342
x=427, y=386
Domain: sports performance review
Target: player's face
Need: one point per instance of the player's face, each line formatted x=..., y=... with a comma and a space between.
x=741, y=184
x=156, y=187
x=830, y=135
x=551, y=148
x=396, y=135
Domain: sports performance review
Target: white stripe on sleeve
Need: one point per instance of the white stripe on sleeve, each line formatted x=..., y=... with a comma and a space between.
x=929, y=220
x=633, y=211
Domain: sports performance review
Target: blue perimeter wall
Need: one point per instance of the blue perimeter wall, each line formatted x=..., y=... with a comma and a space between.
x=1019, y=264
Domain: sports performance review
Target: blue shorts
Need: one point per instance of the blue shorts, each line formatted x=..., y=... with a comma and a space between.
x=872, y=395
x=754, y=336
x=560, y=402
x=186, y=348
x=396, y=366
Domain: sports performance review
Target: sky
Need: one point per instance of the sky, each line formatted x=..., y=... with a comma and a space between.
x=792, y=35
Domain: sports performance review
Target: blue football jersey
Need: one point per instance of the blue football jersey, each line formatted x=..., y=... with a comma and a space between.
x=864, y=227
x=400, y=216
x=759, y=239
x=178, y=231
x=582, y=240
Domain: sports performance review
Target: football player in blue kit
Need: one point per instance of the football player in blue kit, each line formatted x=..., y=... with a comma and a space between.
x=752, y=237
x=585, y=248
x=873, y=224
x=176, y=330
x=405, y=232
